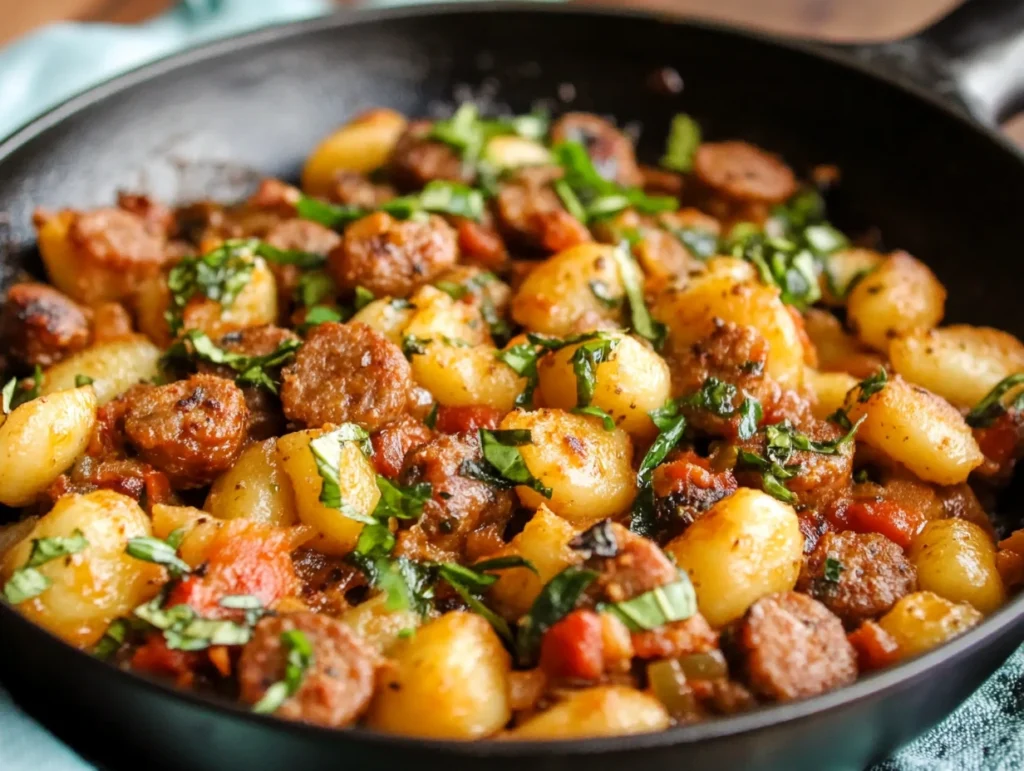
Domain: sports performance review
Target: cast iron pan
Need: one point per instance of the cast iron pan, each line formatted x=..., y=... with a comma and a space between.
x=936, y=181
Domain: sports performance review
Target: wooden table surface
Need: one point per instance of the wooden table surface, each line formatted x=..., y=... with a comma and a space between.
x=833, y=19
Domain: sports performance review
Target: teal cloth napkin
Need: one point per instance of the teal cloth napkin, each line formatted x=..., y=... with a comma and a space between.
x=985, y=734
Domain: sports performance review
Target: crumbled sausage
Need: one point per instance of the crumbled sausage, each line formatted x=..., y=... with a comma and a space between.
x=303, y=235
x=346, y=373
x=336, y=688
x=732, y=354
x=417, y=160
x=392, y=442
x=792, y=646
x=529, y=212
x=326, y=580
x=684, y=488
x=743, y=172
x=159, y=218
x=609, y=149
x=192, y=430
x=639, y=565
x=858, y=576
x=393, y=257
x=459, y=504
x=40, y=325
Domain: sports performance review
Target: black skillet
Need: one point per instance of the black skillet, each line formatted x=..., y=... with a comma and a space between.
x=209, y=121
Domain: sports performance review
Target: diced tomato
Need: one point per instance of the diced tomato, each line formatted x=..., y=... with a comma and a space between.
x=999, y=441
x=573, y=648
x=466, y=420
x=881, y=516
x=1010, y=565
x=560, y=231
x=688, y=471
x=482, y=245
x=875, y=647
x=154, y=657
x=245, y=558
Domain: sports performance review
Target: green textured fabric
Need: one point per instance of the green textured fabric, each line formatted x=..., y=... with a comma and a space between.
x=984, y=734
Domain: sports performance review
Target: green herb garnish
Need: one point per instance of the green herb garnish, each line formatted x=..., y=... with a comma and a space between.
x=676, y=601
x=299, y=659
x=26, y=582
x=556, y=600
x=683, y=140
x=991, y=407
x=503, y=464
x=252, y=370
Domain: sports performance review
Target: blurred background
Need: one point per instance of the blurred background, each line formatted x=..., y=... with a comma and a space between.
x=826, y=19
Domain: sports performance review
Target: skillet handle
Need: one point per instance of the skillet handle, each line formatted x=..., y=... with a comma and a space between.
x=974, y=56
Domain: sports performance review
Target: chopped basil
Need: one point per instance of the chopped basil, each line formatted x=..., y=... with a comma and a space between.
x=604, y=295
x=991, y=407
x=676, y=601
x=150, y=549
x=715, y=396
x=320, y=314
x=401, y=502
x=556, y=600
x=431, y=420
x=414, y=346
x=452, y=198
x=327, y=214
x=783, y=440
x=585, y=359
x=219, y=275
x=305, y=260
x=569, y=200
x=252, y=370
x=183, y=629
x=313, y=288
x=503, y=464
x=14, y=394
x=299, y=658
x=871, y=385
x=453, y=290
x=83, y=380
x=587, y=195
x=26, y=582
x=363, y=297
x=860, y=476
x=683, y=140
x=503, y=563
x=702, y=244
x=596, y=412
x=596, y=541
x=327, y=450
x=750, y=416
x=671, y=425
x=522, y=359
x=633, y=282
x=773, y=475
x=790, y=251
x=468, y=133
x=833, y=570
x=112, y=639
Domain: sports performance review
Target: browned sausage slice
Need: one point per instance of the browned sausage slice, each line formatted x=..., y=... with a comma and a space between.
x=793, y=647
x=346, y=373
x=337, y=687
x=609, y=149
x=40, y=325
x=867, y=574
x=192, y=430
x=743, y=172
x=416, y=160
x=392, y=257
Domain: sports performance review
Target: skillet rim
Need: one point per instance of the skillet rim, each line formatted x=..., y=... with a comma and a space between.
x=990, y=630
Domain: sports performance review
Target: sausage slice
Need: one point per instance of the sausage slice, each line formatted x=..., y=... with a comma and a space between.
x=346, y=373
x=858, y=576
x=337, y=687
x=744, y=172
x=793, y=646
